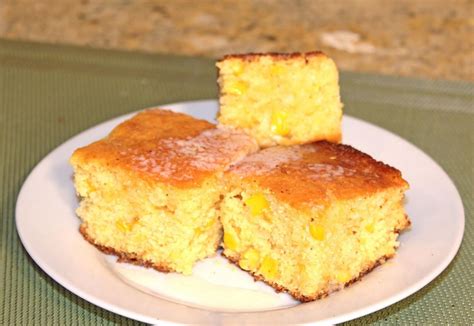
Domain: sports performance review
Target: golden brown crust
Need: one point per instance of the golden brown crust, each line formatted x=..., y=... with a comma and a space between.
x=274, y=55
x=156, y=124
x=321, y=294
x=169, y=147
x=125, y=257
x=319, y=172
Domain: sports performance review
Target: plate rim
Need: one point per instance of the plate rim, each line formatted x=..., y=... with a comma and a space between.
x=440, y=267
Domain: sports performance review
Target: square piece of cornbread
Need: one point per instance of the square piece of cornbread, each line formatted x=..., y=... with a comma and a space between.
x=313, y=218
x=281, y=98
x=150, y=189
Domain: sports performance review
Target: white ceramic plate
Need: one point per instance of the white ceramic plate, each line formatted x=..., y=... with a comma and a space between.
x=48, y=228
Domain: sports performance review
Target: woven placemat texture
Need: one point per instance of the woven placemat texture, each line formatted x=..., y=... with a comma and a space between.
x=50, y=93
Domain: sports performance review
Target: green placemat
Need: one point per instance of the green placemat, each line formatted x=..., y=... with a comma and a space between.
x=50, y=93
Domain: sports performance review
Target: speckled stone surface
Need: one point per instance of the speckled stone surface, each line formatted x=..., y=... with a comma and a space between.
x=426, y=38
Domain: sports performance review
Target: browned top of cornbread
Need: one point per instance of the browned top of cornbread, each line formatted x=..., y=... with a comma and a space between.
x=317, y=173
x=169, y=147
x=273, y=55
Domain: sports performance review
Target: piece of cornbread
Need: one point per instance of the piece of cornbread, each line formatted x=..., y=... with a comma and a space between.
x=312, y=218
x=281, y=98
x=150, y=189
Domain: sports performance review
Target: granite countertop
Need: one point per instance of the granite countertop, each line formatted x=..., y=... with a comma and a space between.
x=429, y=39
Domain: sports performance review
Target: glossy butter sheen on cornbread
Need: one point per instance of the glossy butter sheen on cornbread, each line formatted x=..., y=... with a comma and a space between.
x=325, y=214
x=150, y=189
x=281, y=98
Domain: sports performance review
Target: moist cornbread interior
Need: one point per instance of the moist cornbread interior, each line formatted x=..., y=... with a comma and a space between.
x=281, y=98
x=150, y=189
x=311, y=219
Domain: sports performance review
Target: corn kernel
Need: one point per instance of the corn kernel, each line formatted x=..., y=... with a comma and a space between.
x=257, y=203
x=317, y=232
x=250, y=259
x=124, y=226
x=369, y=228
x=343, y=277
x=230, y=241
x=279, y=123
x=236, y=88
x=269, y=267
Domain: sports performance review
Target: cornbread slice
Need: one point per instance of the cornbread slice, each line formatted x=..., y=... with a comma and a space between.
x=150, y=189
x=281, y=98
x=313, y=218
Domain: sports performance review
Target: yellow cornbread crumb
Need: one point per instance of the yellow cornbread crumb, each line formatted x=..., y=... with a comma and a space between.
x=277, y=69
x=124, y=226
x=202, y=229
x=237, y=87
x=238, y=68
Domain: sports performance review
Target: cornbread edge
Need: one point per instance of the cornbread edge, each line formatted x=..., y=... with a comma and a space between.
x=275, y=55
x=319, y=295
x=125, y=257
